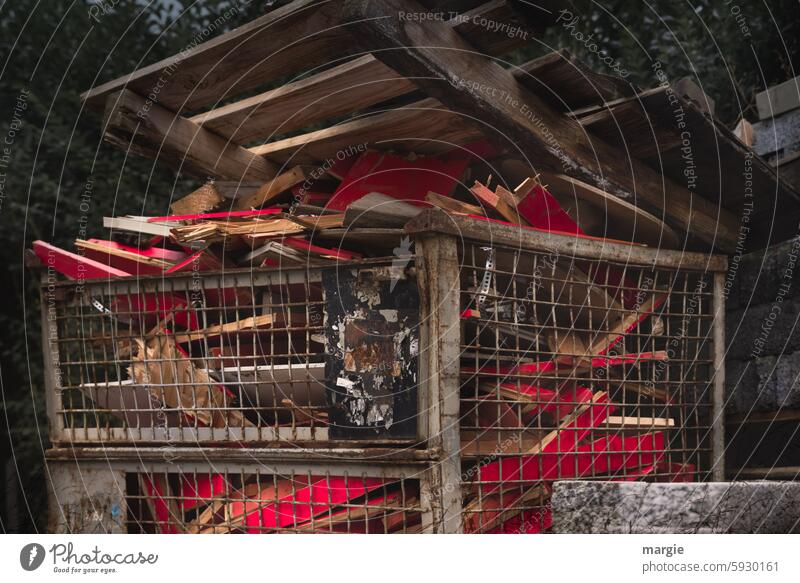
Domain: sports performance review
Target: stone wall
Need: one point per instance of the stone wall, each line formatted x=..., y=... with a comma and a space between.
x=762, y=372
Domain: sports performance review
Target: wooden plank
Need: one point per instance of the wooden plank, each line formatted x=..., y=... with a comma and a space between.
x=303, y=33
x=155, y=132
x=219, y=215
x=138, y=225
x=351, y=86
x=125, y=260
x=638, y=422
x=566, y=83
x=447, y=68
x=72, y=265
x=379, y=210
x=470, y=228
x=347, y=87
x=274, y=187
x=424, y=127
x=647, y=127
x=156, y=252
x=497, y=204
x=204, y=199
x=252, y=323
x=623, y=220
x=451, y=205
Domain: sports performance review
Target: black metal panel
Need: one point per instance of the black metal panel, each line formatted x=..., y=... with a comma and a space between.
x=372, y=352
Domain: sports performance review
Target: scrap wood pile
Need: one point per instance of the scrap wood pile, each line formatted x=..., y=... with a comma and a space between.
x=355, y=218
x=255, y=504
x=399, y=137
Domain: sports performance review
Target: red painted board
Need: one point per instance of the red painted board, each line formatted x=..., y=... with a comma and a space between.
x=602, y=456
x=219, y=215
x=303, y=245
x=200, y=261
x=72, y=265
x=152, y=307
x=680, y=472
x=156, y=496
x=399, y=178
x=199, y=489
x=131, y=266
x=543, y=366
x=354, y=526
x=154, y=252
x=532, y=521
x=312, y=500
x=341, y=167
x=542, y=210
x=311, y=197
x=560, y=403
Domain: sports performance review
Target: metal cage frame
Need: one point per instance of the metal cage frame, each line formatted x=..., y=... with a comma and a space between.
x=439, y=241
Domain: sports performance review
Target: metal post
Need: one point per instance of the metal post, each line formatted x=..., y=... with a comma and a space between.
x=439, y=368
x=718, y=395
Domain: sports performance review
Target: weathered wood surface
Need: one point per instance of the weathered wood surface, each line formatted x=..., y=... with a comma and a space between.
x=446, y=67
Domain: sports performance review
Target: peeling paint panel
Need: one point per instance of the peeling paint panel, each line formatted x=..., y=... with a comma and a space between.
x=372, y=345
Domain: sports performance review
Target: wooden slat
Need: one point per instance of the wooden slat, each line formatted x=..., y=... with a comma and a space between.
x=424, y=127
x=300, y=34
x=647, y=126
x=152, y=131
x=273, y=188
x=447, y=68
x=349, y=86
x=567, y=83
x=435, y=220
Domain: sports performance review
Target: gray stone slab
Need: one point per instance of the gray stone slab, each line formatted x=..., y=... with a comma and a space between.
x=778, y=98
x=712, y=507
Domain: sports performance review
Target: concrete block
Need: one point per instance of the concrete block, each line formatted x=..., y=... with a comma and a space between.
x=642, y=508
x=778, y=98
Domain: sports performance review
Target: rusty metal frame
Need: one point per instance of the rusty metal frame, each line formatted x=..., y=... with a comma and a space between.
x=436, y=459
x=88, y=491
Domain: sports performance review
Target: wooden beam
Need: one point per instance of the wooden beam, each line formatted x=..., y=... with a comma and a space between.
x=472, y=229
x=349, y=86
x=274, y=187
x=450, y=70
x=647, y=126
x=132, y=123
x=566, y=83
x=303, y=34
x=425, y=127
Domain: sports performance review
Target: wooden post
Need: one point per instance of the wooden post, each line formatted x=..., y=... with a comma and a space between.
x=440, y=338
x=718, y=394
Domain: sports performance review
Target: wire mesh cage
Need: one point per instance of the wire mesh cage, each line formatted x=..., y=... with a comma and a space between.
x=504, y=362
x=225, y=497
x=239, y=355
x=578, y=368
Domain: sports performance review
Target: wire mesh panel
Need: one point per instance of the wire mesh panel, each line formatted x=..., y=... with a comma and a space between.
x=261, y=503
x=238, y=355
x=578, y=368
x=226, y=497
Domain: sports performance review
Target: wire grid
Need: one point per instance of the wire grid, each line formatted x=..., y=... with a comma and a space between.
x=262, y=503
x=150, y=359
x=577, y=369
